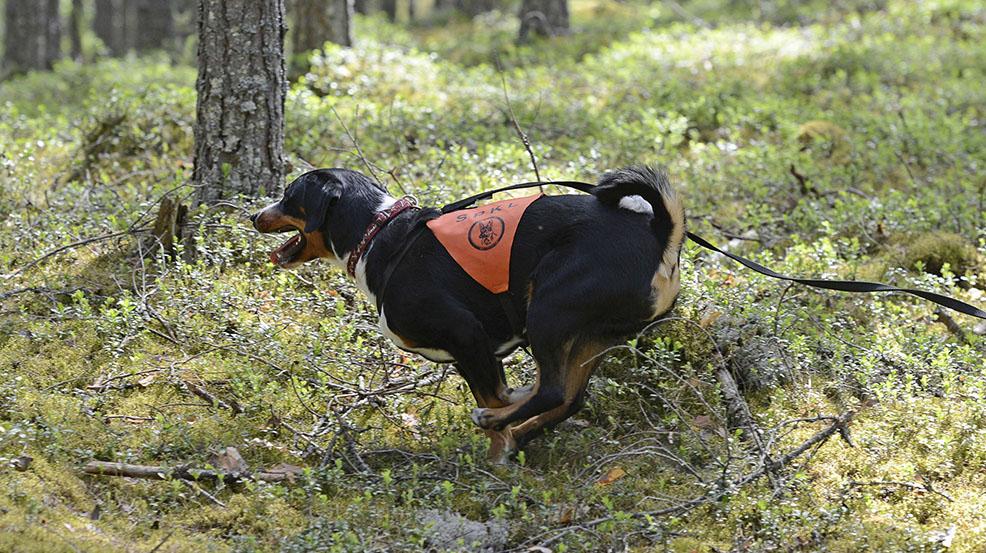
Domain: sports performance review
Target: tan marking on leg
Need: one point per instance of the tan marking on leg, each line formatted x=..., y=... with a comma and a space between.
x=487, y=418
x=581, y=363
x=502, y=443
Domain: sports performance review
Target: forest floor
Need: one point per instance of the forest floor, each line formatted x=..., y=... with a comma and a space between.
x=817, y=141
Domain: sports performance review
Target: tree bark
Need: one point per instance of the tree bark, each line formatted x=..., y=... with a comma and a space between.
x=543, y=17
x=53, y=33
x=155, y=24
x=318, y=21
x=239, y=130
x=106, y=24
x=389, y=7
x=75, y=30
x=472, y=8
x=33, y=36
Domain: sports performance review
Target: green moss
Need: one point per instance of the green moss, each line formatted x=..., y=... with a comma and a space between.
x=931, y=251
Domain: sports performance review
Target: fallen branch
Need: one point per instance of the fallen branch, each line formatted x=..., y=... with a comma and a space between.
x=184, y=472
x=908, y=485
x=839, y=425
x=951, y=325
x=738, y=414
x=201, y=392
x=71, y=246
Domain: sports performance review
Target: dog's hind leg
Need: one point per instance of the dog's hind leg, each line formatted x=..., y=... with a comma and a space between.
x=554, y=330
x=583, y=358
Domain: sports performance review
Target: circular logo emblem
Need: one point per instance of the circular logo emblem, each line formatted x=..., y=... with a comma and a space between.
x=486, y=233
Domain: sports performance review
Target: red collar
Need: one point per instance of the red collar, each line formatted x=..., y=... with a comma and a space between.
x=379, y=221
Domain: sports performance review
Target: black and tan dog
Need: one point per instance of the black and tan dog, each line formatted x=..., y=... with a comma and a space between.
x=584, y=272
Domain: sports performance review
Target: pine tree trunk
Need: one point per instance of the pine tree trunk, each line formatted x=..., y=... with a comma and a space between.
x=318, y=21
x=53, y=33
x=32, y=40
x=75, y=30
x=543, y=17
x=155, y=24
x=239, y=131
x=106, y=24
x=340, y=29
x=472, y=8
x=389, y=7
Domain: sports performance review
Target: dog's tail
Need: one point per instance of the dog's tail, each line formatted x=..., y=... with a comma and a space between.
x=627, y=187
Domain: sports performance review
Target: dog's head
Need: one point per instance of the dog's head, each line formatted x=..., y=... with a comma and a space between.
x=328, y=208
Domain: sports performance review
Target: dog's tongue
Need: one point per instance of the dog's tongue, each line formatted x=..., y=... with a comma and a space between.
x=285, y=250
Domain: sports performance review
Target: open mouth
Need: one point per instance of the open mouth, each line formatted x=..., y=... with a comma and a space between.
x=288, y=251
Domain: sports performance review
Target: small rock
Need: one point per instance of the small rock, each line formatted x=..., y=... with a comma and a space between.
x=450, y=531
x=229, y=460
x=21, y=463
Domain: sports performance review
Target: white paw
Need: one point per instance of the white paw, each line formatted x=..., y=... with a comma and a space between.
x=479, y=415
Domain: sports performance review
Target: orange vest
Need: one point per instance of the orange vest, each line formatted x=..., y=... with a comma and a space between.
x=480, y=239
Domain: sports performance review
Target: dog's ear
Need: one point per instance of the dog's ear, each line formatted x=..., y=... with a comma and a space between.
x=319, y=201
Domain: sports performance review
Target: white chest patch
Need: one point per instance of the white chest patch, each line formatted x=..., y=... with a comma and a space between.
x=431, y=354
x=636, y=203
x=361, y=277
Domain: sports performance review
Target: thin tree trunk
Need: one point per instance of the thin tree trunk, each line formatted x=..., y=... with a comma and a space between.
x=472, y=8
x=239, y=131
x=155, y=24
x=106, y=24
x=33, y=35
x=75, y=30
x=318, y=21
x=340, y=29
x=53, y=33
x=543, y=17
x=389, y=7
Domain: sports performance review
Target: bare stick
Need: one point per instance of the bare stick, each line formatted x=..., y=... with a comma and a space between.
x=837, y=426
x=204, y=394
x=520, y=132
x=738, y=411
x=951, y=325
x=162, y=542
x=183, y=472
x=71, y=246
x=908, y=485
x=359, y=151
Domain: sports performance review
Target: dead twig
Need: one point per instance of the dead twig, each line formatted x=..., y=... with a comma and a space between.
x=359, y=151
x=943, y=317
x=76, y=244
x=908, y=485
x=162, y=542
x=839, y=425
x=182, y=472
x=201, y=392
x=520, y=132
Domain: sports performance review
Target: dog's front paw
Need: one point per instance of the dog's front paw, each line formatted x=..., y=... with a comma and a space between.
x=482, y=417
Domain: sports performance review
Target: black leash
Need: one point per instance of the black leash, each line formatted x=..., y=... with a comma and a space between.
x=845, y=285
x=839, y=285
